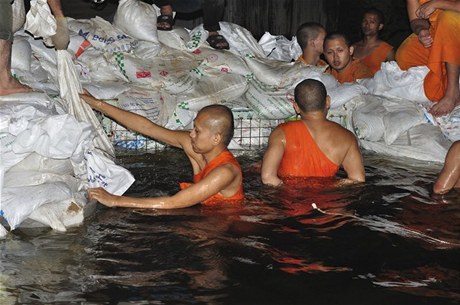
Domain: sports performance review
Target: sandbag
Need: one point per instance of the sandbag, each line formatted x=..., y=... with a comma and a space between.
x=19, y=14
x=40, y=22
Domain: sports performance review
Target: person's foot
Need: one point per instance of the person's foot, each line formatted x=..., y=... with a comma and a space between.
x=165, y=21
x=445, y=106
x=217, y=41
x=13, y=86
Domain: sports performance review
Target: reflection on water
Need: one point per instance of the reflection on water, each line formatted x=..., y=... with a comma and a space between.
x=386, y=242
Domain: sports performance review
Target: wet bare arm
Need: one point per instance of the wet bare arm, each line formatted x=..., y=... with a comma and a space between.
x=450, y=174
x=139, y=123
x=272, y=158
x=219, y=179
x=353, y=163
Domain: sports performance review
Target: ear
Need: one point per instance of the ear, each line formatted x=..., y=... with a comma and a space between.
x=328, y=102
x=352, y=50
x=217, y=138
x=296, y=107
x=380, y=27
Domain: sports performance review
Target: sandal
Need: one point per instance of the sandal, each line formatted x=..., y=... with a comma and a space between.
x=165, y=22
x=218, y=42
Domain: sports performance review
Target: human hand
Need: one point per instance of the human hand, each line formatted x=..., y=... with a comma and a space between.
x=425, y=10
x=90, y=100
x=102, y=196
x=62, y=38
x=425, y=38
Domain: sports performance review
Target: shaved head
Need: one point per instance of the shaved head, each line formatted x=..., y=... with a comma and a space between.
x=219, y=119
x=308, y=31
x=310, y=95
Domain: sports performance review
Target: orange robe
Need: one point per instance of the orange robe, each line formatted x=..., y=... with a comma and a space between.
x=355, y=70
x=302, y=157
x=321, y=63
x=374, y=60
x=225, y=157
x=445, y=31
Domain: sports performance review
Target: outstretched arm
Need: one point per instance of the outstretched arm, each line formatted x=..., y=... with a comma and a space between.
x=219, y=179
x=272, y=158
x=450, y=174
x=139, y=123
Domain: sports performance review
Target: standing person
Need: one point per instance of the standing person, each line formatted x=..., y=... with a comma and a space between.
x=449, y=177
x=217, y=174
x=342, y=65
x=310, y=37
x=62, y=38
x=312, y=146
x=8, y=84
x=213, y=11
x=435, y=42
x=371, y=50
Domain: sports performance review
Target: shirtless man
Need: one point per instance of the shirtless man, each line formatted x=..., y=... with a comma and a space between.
x=217, y=174
x=8, y=84
x=342, y=65
x=435, y=43
x=449, y=177
x=310, y=37
x=312, y=146
x=371, y=50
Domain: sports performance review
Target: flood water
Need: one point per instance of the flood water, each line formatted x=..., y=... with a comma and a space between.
x=386, y=242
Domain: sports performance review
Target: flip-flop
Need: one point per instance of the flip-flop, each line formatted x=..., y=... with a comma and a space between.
x=165, y=22
x=218, y=42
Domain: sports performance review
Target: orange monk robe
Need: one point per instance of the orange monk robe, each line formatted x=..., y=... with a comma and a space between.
x=225, y=157
x=445, y=31
x=374, y=60
x=355, y=70
x=302, y=157
x=321, y=63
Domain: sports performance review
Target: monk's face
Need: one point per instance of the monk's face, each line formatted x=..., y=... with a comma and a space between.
x=338, y=54
x=202, y=137
x=370, y=24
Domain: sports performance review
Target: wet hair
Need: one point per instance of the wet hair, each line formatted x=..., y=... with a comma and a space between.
x=310, y=95
x=220, y=119
x=375, y=11
x=308, y=31
x=337, y=35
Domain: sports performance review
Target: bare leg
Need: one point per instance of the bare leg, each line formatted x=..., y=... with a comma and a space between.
x=452, y=97
x=8, y=84
x=56, y=8
x=61, y=38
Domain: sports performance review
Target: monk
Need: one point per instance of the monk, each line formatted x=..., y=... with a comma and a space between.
x=342, y=65
x=435, y=43
x=449, y=177
x=312, y=146
x=217, y=174
x=8, y=84
x=310, y=37
x=371, y=50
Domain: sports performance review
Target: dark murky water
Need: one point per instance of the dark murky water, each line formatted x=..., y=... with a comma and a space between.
x=387, y=242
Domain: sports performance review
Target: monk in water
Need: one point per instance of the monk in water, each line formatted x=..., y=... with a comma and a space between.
x=312, y=146
x=310, y=37
x=436, y=44
x=217, y=174
x=371, y=50
x=342, y=65
x=449, y=177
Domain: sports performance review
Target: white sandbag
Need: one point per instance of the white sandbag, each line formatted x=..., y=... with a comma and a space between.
x=70, y=87
x=137, y=19
x=19, y=14
x=106, y=90
x=423, y=142
x=449, y=124
x=40, y=22
x=102, y=35
x=181, y=119
x=147, y=50
x=279, y=47
x=177, y=38
x=103, y=172
x=77, y=45
x=198, y=36
x=268, y=102
x=240, y=40
x=94, y=67
x=21, y=54
x=344, y=92
x=38, y=163
x=213, y=90
x=368, y=121
x=391, y=81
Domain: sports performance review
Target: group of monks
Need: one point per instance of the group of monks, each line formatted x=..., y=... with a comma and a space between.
x=312, y=146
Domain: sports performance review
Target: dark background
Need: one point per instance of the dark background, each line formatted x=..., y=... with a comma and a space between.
x=280, y=17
